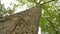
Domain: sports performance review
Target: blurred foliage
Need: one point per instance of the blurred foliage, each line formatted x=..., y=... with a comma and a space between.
x=50, y=19
x=4, y=11
x=28, y=3
x=32, y=1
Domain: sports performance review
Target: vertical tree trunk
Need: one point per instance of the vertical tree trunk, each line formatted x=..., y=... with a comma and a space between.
x=25, y=22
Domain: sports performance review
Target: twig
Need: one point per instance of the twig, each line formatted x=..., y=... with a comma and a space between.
x=51, y=25
x=46, y=2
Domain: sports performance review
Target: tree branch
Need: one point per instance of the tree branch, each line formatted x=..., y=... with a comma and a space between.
x=52, y=25
x=47, y=2
x=38, y=2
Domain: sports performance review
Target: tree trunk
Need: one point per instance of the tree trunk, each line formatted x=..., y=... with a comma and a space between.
x=25, y=22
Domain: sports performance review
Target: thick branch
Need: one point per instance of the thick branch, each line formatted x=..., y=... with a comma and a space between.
x=38, y=2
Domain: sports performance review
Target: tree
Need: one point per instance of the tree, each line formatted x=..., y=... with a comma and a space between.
x=26, y=22
x=21, y=22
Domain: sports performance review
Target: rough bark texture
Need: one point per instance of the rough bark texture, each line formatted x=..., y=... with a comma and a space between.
x=25, y=22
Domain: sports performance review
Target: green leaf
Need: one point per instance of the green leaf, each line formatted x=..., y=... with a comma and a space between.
x=32, y=1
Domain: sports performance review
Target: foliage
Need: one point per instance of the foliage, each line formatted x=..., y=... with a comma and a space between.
x=4, y=11
x=32, y=1
x=7, y=11
x=50, y=21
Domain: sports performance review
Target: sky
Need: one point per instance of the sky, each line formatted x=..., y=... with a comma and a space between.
x=7, y=4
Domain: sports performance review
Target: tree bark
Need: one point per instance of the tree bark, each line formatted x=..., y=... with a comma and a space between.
x=25, y=22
